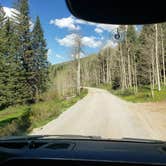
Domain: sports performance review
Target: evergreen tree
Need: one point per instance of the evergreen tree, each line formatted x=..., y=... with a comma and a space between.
x=23, y=58
x=2, y=16
x=17, y=83
x=3, y=48
x=12, y=81
x=25, y=52
x=40, y=67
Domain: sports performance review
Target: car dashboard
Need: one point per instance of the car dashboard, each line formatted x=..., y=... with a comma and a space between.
x=81, y=152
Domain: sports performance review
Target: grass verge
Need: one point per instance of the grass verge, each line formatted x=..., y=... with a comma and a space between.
x=20, y=120
x=143, y=95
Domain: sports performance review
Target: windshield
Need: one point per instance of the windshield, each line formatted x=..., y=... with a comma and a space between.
x=60, y=75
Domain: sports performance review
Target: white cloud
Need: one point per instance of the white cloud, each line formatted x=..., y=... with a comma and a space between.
x=91, y=42
x=79, y=21
x=68, y=23
x=31, y=25
x=10, y=12
x=98, y=30
x=111, y=44
x=49, y=52
x=54, y=58
x=76, y=56
x=107, y=27
x=73, y=23
x=68, y=41
x=59, y=56
x=82, y=55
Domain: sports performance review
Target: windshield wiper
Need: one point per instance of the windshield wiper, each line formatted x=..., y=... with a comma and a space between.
x=140, y=140
x=76, y=137
x=36, y=137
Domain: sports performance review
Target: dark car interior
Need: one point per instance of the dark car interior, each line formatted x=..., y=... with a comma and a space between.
x=43, y=150
x=81, y=151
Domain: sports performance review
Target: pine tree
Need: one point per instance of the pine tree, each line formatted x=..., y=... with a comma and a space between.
x=2, y=16
x=17, y=82
x=23, y=58
x=146, y=48
x=25, y=52
x=12, y=81
x=3, y=48
x=40, y=67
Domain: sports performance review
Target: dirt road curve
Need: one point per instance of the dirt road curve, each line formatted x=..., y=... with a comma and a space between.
x=103, y=114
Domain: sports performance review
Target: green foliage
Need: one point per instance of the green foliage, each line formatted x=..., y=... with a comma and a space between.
x=25, y=50
x=105, y=86
x=17, y=126
x=40, y=67
x=143, y=95
x=23, y=60
x=20, y=120
x=63, y=79
x=7, y=115
x=43, y=112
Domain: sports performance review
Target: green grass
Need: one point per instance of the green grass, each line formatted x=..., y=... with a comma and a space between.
x=43, y=112
x=21, y=120
x=11, y=113
x=143, y=95
x=105, y=86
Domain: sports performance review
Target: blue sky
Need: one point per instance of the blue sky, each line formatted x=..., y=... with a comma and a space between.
x=58, y=26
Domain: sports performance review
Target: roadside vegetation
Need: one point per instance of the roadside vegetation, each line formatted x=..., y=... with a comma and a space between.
x=135, y=69
x=32, y=93
x=20, y=120
x=143, y=95
x=23, y=58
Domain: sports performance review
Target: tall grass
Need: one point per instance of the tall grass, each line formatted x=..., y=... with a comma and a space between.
x=11, y=113
x=143, y=95
x=21, y=120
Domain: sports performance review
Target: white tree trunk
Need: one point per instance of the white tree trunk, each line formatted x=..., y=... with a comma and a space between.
x=123, y=70
x=163, y=56
x=78, y=74
x=129, y=68
x=152, y=74
x=107, y=79
x=157, y=59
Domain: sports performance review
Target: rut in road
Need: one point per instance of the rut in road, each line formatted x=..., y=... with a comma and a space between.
x=102, y=114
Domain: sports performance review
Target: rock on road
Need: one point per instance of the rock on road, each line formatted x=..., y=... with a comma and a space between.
x=102, y=114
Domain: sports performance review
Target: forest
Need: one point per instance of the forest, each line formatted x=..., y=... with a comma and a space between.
x=25, y=74
x=28, y=95
x=33, y=91
x=136, y=63
x=23, y=58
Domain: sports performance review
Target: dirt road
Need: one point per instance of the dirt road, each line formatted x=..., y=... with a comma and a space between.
x=103, y=114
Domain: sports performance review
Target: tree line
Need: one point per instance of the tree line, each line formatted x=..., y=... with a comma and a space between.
x=137, y=61
x=23, y=57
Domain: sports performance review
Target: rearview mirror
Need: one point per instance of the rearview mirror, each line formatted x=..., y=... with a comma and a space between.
x=119, y=12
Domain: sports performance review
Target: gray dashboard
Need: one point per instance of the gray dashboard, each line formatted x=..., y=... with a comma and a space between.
x=131, y=152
